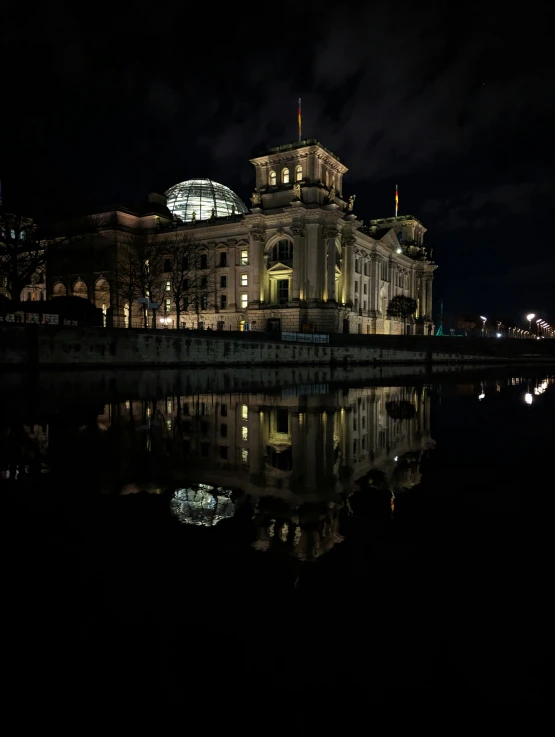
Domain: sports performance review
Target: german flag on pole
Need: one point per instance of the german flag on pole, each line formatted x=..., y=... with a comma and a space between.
x=396, y=200
x=299, y=119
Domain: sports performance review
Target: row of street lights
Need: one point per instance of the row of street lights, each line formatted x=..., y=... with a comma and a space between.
x=543, y=329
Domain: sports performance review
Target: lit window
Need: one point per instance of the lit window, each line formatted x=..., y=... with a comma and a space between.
x=298, y=173
x=245, y=433
x=168, y=305
x=244, y=455
x=244, y=258
x=168, y=286
x=244, y=412
x=244, y=280
x=244, y=301
x=285, y=175
x=273, y=179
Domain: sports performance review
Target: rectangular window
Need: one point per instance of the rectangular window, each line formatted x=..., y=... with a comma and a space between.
x=223, y=410
x=244, y=455
x=244, y=412
x=168, y=286
x=223, y=282
x=244, y=258
x=245, y=433
x=356, y=286
x=203, y=261
x=223, y=258
x=283, y=291
x=185, y=283
x=244, y=301
x=223, y=452
x=357, y=265
x=223, y=301
x=204, y=282
x=282, y=421
x=223, y=430
x=168, y=305
x=244, y=280
x=364, y=305
x=366, y=289
x=366, y=268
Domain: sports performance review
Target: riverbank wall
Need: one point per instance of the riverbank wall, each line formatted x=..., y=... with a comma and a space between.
x=50, y=347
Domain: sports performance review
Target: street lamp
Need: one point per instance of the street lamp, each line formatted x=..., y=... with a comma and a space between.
x=484, y=320
x=530, y=317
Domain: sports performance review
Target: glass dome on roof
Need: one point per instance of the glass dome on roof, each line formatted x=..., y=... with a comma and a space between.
x=201, y=196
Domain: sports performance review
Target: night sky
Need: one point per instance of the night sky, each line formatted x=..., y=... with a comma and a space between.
x=455, y=105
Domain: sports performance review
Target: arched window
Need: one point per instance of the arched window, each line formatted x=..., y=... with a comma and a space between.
x=285, y=175
x=298, y=173
x=59, y=290
x=282, y=251
x=80, y=289
x=126, y=316
x=273, y=179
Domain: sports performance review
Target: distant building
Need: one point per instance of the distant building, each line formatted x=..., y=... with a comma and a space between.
x=299, y=259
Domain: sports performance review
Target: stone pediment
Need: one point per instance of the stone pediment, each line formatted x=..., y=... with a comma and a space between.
x=280, y=266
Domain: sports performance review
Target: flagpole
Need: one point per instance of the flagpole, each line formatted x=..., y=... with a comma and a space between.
x=299, y=120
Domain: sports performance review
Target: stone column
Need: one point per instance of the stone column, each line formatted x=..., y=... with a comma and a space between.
x=259, y=271
x=297, y=264
x=429, y=298
x=312, y=261
x=330, y=234
x=374, y=285
x=348, y=243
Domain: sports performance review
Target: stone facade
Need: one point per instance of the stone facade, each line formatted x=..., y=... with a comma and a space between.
x=299, y=261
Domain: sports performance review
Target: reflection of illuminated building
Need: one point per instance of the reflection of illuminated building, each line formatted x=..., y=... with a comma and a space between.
x=292, y=459
x=202, y=504
x=296, y=458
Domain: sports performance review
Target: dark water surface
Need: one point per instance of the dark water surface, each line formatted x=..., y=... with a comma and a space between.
x=287, y=550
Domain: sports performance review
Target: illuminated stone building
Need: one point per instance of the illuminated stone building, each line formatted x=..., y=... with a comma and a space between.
x=298, y=259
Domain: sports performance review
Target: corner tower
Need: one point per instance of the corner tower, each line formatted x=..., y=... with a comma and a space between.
x=306, y=170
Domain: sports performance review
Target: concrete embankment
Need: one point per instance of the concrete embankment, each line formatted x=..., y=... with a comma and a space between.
x=43, y=347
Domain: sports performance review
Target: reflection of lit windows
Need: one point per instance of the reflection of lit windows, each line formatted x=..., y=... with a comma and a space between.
x=245, y=433
x=244, y=455
x=244, y=280
x=244, y=258
x=168, y=405
x=244, y=411
x=169, y=423
x=244, y=301
x=148, y=411
x=128, y=405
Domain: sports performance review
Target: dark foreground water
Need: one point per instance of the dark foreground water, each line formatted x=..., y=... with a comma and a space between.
x=278, y=558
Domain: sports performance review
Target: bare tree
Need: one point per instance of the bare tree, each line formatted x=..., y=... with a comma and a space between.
x=192, y=277
x=22, y=255
x=140, y=275
x=128, y=288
